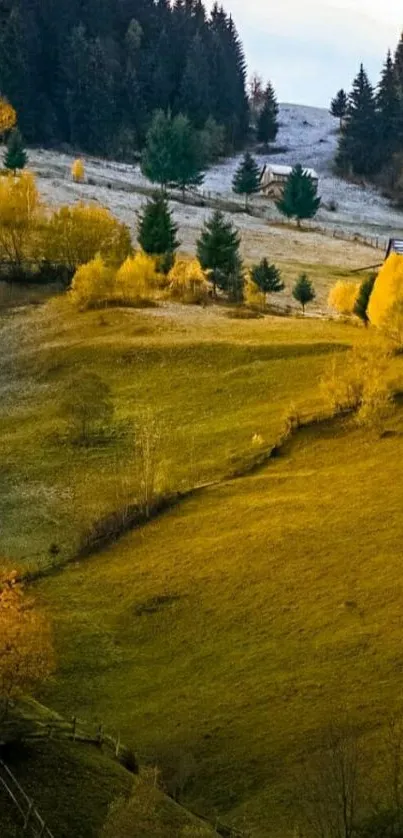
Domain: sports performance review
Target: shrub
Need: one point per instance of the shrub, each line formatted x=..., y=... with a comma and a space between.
x=135, y=280
x=254, y=296
x=363, y=298
x=78, y=171
x=21, y=217
x=92, y=285
x=388, y=289
x=359, y=383
x=188, y=282
x=343, y=297
x=76, y=234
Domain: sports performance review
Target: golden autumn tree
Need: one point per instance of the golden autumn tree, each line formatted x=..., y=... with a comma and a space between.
x=76, y=234
x=343, y=296
x=21, y=217
x=388, y=290
x=78, y=171
x=188, y=281
x=136, y=279
x=92, y=285
x=8, y=116
x=26, y=651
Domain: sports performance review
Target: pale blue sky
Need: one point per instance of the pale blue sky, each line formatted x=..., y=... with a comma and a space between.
x=311, y=48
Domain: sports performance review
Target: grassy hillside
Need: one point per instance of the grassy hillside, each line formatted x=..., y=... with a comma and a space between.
x=221, y=639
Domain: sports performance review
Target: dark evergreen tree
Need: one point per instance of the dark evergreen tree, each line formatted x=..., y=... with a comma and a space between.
x=218, y=252
x=158, y=158
x=358, y=150
x=267, y=277
x=15, y=157
x=364, y=294
x=212, y=141
x=338, y=106
x=398, y=64
x=246, y=180
x=390, y=113
x=187, y=152
x=300, y=197
x=157, y=232
x=303, y=291
x=267, y=124
x=195, y=93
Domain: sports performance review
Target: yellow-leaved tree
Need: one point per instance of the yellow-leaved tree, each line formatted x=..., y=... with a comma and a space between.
x=92, y=285
x=76, y=234
x=78, y=171
x=136, y=279
x=8, y=116
x=388, y=290
x=254, y=296
x=26, y=650
x=21, y=218
x=188, y=282
x=343, y=296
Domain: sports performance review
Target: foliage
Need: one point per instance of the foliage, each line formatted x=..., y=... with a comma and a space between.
x=358, y=149
x=338, y=105
x=76, y=234
x=363, y=297
x=246, y=180
x=26, y=651
x=267, y=124
x=218, y=253
x=343, y=296
x=303, y=291
x=21, y=216
x=87, y=407
x=78, y=170
x=188, y=282
x=173, y=154
x=157, y=231
x=212, y=141
x=300, y=197
x=136, y=279
x=188, y=162
x=384, y=823
x=15, y=156
x=253, y=295
x=387, y=290
x=267, y=277
x=92, y=285
x=8, y=116
x=361, y=385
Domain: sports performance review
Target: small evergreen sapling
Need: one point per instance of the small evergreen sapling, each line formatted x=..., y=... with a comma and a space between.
x=300, y=197
x=247, y=178
x=267, y=277
x=303, y=291
x=338, y=106
x=157, y=231
x=15, y=156
x=218, y=253
x=362, y=301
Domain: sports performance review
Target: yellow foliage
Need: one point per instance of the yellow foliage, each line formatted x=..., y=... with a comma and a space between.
x=21, y=214
x=359, y=383
x=136, y=278
x=78, y=171
x=343, y=296
x=254, y=297
x=8, y=116
x=188, y=282
x=92, y=285
x=76, y=234
x=26, y=653
x=388, y=290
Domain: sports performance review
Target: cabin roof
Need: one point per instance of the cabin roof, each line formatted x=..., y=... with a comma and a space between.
x=395, y=246
x=277, y=169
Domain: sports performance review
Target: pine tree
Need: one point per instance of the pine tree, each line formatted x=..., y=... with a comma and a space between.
x=15, y=156
x=362, y=301
x=267, y=125
x=338, y=106
x=390, y=112
x=218, y=252
x=187, y=154
x=246, y=180
x=398, y=64
x=157, y=232
x=300, y=197
x=303, y=291
x=358, y=150
x=194, y=98
x=157, y=161
x=267, y=277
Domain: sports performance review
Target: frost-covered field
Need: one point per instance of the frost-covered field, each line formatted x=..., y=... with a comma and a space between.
x=310, y=137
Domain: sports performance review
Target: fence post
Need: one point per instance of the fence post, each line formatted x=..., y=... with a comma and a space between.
x=117, y=748
x=28, y=815
x=100, y=734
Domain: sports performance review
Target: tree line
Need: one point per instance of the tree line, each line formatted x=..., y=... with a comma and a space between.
x=371, y=122
x=93, y=73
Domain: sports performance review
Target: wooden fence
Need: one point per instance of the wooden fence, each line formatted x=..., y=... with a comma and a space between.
x=32, y=822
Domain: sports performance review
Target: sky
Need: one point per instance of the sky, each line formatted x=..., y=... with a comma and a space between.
x=311, y=48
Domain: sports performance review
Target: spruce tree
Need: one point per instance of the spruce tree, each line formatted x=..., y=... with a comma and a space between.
x=267, y=124
x=187, y=154
x=218, y=252
x=389, y=106
x=338, y=106
x=398, y=64
x=246, y=180
x=300, y=197
x=15, y=156
x=267, y=277
x=364, y=294
x=157, y=232
x=194, y=97
x=358, y=150
x=157, y=161
x=303, y=291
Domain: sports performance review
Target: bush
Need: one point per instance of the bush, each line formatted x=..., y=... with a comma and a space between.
x=253, y=295
x=343, y=297
x=92, y=285
x=359, y=383
x=75, y=235
x=78, y=171
x=388, y=289
x=188, y=282
x=135, y=280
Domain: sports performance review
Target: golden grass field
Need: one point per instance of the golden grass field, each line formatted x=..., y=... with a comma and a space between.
x=230, y=631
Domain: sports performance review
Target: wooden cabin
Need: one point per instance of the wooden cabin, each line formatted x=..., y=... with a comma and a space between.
x=274, y=177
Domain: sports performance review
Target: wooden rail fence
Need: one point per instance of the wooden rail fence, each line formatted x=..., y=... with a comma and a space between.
x=32, y=821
